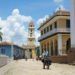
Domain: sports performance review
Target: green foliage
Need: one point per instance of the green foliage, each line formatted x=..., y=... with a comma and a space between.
x=0, y=38
x=0, y=35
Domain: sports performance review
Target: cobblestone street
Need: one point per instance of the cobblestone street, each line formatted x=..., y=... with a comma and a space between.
x=33, y=67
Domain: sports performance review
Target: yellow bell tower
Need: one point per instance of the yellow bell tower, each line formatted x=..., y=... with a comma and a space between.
x=31, y=40
x=31, y=36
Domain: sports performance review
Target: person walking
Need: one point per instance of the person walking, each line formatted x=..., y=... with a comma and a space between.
x=46, y=59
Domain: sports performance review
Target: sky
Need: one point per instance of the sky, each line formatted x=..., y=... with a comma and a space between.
x=15, y=16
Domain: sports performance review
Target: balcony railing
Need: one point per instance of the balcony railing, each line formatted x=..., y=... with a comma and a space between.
x=31, y=27
x=54, y=31
x=33, y=36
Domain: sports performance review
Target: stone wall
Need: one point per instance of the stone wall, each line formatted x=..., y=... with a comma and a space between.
x=59, y=59
x=69, y=58
x=71, y=55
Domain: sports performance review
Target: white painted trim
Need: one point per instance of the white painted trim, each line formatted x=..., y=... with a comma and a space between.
x=53, y=20
x=59, y=44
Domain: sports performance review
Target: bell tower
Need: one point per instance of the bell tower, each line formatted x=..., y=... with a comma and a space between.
x=31, y=40
x=31, y=36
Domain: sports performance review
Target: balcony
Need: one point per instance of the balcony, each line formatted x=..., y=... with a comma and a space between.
x=31, y=27
x=54, y=31
x=32, y=37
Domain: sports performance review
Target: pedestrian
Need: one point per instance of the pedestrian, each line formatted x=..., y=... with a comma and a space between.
x=46, y=59
x=26, y=58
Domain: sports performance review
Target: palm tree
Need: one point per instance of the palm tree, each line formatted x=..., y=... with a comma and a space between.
x=0, y=35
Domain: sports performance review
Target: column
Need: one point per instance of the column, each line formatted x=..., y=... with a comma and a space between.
x=49, y=49
x=73, y=23
x=40, y=49
x=33, y=53
x=27, y=53
x=54, y=47
x=12, y=51
x=59, y=44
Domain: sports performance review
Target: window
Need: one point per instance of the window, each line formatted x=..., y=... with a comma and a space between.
x=47, y=29
x=50, y=27
x=55, y=24
x=30, y=34
x=3, y=51
x=31, y=25
x=31, y=30
x=30, y=39
x=67, y=23
x=41, y=32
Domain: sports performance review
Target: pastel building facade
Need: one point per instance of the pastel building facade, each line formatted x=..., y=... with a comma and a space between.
x=30, y=46
x=55, y=34
x=11, y=50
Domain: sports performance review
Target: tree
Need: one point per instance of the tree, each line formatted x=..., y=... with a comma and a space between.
x=0, y=35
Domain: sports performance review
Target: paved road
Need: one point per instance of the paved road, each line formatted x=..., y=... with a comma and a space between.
x=33, y=67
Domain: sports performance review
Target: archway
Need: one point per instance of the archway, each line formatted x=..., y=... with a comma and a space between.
x=68, y=45
x=30, y=50
x=56, y=47
x=51, y=48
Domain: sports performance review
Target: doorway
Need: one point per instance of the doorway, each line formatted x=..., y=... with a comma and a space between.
x=68, y=45
x=30, y=51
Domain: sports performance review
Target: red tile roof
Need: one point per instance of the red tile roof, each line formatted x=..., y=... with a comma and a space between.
x=6, y=43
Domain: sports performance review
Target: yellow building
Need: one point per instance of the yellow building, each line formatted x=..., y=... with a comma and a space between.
x=55, y=34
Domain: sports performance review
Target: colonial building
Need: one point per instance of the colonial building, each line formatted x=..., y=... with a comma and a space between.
x=11, y=50
x=30, y=47
x=55, y=34
x=38, y=51
x=71, y=54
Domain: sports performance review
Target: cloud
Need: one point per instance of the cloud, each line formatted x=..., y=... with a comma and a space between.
x=41, y=20
x=37, y=36
x=15, y=12
x=58, y=1
x=61, y=7
x=14, y=28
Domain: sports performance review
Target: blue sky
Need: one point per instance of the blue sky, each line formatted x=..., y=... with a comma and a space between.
x=34, y=8
x=26, y=10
